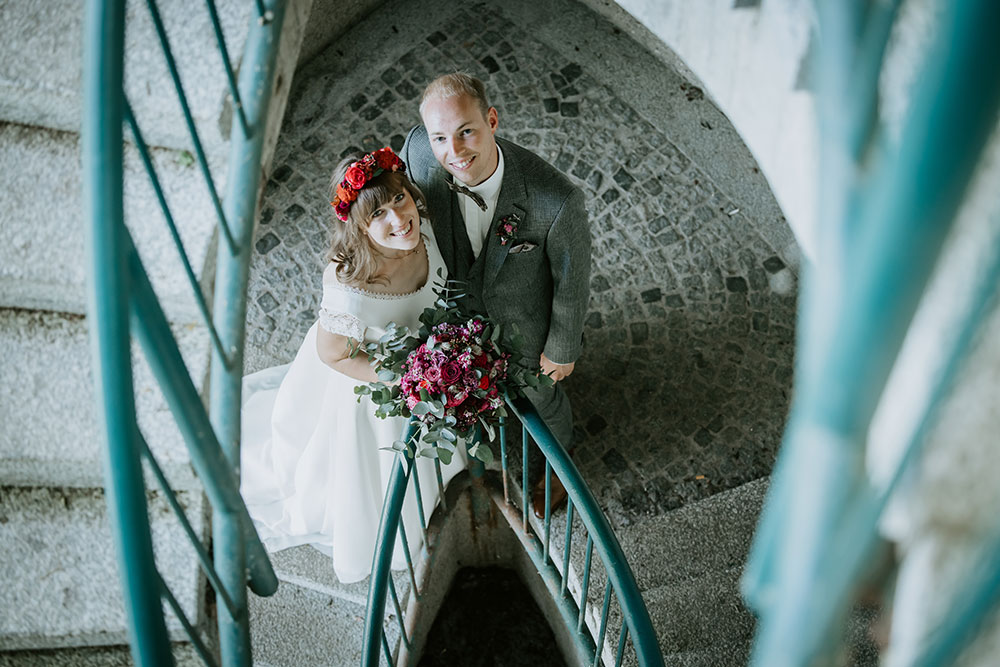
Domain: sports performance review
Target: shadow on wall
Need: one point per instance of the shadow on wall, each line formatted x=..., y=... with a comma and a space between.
x=684, y=383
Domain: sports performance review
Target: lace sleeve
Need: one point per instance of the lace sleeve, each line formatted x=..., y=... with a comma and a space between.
x=343, y=324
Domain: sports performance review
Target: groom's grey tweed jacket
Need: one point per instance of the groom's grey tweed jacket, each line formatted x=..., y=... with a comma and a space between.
x=544, y=290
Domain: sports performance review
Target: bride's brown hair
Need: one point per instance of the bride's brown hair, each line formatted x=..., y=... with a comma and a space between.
x=350, y=248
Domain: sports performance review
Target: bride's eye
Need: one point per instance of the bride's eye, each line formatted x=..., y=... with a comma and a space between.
x=398, y=198
x=377, y=213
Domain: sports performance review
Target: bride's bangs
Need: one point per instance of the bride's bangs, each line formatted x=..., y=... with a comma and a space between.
x=378, y=193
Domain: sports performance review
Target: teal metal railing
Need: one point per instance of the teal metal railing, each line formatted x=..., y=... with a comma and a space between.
x=123, y=306
x=636, y=628
x=885, y=209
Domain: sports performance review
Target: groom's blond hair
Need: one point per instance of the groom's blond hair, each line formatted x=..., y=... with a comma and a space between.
x=456, y=84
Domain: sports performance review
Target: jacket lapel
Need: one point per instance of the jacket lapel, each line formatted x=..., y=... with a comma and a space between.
x=439, y=201
x=511, y=202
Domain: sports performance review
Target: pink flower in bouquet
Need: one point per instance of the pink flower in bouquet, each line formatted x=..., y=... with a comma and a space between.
x=433, y=373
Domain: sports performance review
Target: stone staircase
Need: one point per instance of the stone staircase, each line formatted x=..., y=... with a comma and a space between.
x=60, y=583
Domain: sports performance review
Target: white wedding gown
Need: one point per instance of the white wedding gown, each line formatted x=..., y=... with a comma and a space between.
x=312, y=468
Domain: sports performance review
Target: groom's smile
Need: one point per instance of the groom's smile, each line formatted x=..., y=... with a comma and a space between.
x=461, y=137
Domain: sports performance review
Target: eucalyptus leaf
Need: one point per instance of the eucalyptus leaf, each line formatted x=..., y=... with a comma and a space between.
x=444, y=455
x=421, y=408
x=488, y=428
x=485, y=454
x=386, y=375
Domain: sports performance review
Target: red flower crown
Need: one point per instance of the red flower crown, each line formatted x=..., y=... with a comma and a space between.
x=360, y=174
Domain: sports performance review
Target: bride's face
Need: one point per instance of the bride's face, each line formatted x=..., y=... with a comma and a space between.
x=395, y=224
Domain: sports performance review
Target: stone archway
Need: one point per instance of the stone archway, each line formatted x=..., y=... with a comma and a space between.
x=685, y=379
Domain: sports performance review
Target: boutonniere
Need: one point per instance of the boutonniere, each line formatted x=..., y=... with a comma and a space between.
x=507, y=229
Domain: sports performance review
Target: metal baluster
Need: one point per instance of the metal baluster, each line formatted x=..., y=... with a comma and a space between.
x=503, y=459
x=206, y=563
x=548, y=510
x=171, y=225
x=409, y=560
x=199, y=645
x=385, y=649
x=198, y=149
x=399, y=611
x=566, y=548
x=440, y=483
x=621, y=642
x=585, y=586
x=224, y=52
x=604, y=624
x=525, y=497
x=420, y=500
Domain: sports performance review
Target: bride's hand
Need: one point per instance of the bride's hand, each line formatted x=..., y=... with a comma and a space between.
x=556, y=371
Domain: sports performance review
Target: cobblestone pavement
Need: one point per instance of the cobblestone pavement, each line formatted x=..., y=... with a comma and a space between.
x=684, y=382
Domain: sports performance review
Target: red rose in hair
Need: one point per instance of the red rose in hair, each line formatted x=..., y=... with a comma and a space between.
x=385, y=159
x=355, y=177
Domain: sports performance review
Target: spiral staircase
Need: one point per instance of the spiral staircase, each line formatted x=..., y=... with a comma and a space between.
x=62, y=598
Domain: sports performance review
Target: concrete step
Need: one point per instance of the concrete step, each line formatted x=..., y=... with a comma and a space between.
x=723, y=655
x=42, y=238
x=711, y=535
x=40, y=70
x=300, y=627
x=105, y=656
x=308, y=568
x=698, y=614
x=50, y=435
x=60, y=584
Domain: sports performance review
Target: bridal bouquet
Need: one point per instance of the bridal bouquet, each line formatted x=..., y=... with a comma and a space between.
x=452, y=376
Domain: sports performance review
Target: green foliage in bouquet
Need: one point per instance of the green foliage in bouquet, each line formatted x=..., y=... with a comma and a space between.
x=453, y=376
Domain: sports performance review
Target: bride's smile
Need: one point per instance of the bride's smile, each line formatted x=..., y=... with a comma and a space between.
x=395, y=225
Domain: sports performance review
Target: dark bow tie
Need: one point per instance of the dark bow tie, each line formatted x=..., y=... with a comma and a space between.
x=474, y=196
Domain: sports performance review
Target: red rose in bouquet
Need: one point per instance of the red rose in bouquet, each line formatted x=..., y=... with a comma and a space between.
x=452, y=377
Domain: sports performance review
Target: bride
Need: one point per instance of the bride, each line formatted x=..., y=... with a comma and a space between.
x=312, y=468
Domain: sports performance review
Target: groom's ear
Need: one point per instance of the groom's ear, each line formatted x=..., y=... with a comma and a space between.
x=493, y=119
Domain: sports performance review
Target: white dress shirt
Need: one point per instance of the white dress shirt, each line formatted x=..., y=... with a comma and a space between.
x=477, y=221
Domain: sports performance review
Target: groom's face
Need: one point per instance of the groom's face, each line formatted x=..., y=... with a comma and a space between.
x=462, y=137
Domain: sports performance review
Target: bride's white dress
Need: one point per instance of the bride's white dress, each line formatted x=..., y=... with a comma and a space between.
x=312, y=468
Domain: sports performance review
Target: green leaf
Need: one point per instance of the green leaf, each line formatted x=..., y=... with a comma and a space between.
x=362, y=390
x=399, y=445
x=430, y=453
x=421, y=408
x=488, y=428
x=386, y=375
x=445, y=456
x=483, y=453
x=448, y=434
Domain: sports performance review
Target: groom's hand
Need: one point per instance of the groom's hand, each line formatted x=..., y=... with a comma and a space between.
x=555, y=371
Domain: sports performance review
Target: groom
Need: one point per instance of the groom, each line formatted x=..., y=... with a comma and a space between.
x=513, y=227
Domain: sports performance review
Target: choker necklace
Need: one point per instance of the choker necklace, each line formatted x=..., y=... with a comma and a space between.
x=404, y=255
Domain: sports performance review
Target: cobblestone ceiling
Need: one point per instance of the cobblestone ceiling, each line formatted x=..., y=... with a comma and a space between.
x=683, y=385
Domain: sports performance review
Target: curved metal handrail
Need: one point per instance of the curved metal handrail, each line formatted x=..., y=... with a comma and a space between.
x=119, y=288
x=636, y=620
